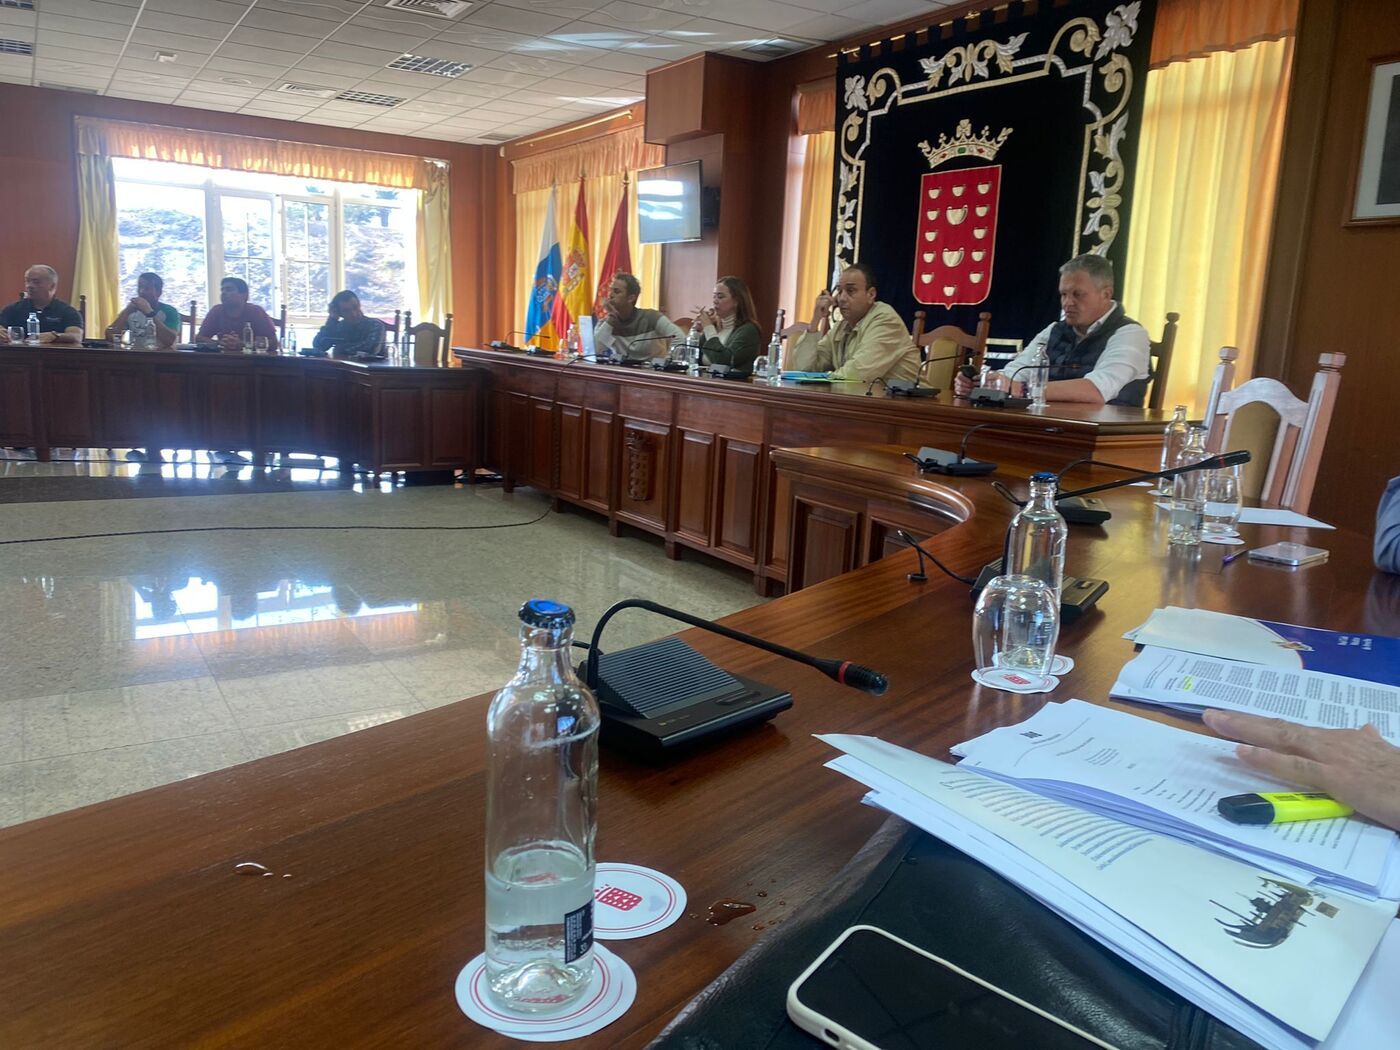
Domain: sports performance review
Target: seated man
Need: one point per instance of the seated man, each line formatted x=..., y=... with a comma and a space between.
x=145, y=310
x=348, y=332
x=58, y=322
x=630, y=332
x=1387, y=544
x=1098, y=354
x=225, y=322
x=869, y=342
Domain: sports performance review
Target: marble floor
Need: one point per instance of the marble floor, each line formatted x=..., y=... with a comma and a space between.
x=293, y=606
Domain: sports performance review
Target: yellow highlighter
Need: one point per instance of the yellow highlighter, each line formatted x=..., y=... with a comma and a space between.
x=1280, y=806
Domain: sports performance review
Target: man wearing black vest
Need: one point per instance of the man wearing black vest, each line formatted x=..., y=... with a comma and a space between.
x=1098, y=354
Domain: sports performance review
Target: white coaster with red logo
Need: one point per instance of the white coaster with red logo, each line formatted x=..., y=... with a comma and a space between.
x=1061, y=664
x=1011, y=680
x=632, y=901
x=608, y=997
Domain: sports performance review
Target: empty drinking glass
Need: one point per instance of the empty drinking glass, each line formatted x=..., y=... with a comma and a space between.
x=1223, y=504
x=16, y=333
x=1015, y=625
x=260, y=344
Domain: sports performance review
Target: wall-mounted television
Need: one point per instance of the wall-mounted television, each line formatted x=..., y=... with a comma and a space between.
x=668, y=203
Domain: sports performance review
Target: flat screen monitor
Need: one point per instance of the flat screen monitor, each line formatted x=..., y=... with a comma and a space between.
x=668, y=203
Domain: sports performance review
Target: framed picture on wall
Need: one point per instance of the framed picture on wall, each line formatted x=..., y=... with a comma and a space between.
x=1378, y=171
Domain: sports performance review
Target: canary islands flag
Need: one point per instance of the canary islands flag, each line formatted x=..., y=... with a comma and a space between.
x=539, y=324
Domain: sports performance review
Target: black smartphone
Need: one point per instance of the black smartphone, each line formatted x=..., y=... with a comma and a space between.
x=870, y=990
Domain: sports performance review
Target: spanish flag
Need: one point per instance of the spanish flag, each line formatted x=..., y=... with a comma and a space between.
x=575, y=289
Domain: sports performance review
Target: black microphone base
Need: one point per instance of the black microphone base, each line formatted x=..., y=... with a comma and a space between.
x=907, y=388
x=985, y=397
x=1081, y=510
x=663, y=697
x=1078, y=594
x=937, y=461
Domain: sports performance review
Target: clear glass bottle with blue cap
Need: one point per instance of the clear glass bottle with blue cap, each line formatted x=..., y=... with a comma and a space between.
x=541, y=821
x=1036, y=541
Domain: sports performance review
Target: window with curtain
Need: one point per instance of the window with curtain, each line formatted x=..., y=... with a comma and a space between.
x=1212, y=132
x=807, y=224
x=295, y=241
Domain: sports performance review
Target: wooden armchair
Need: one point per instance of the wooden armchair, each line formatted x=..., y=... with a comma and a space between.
x=1264, y=410
x=393, y=331
x=969, y=347
x=191, y=320
x=1160, y=352
x=430, y=343
x=281, y=324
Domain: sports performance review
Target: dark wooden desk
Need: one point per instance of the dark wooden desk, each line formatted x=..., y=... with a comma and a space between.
x=377, y=415
x=124, y=924
x=687, y=458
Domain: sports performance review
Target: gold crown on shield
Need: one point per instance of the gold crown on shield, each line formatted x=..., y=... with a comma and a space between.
x=964, y=144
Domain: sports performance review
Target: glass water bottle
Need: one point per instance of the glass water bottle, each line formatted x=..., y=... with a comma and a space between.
x=1036, y=542
x=1189, y=490
x=541, y=820
x=1172, y=440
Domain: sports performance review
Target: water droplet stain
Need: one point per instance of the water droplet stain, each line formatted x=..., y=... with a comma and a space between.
x=249, y=867
x=763, y=893
x=726, y=910
x=782, y=904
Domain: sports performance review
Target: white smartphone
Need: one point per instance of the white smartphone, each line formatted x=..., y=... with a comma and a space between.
x=870, y=990
x=1286, y=553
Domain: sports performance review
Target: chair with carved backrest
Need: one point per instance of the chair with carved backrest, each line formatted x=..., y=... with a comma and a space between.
x=1160, y=352
x=1263, y=414
x=281, y=325
x=393, y=331
x=945, y=341
x=190, y=321
x=430, y=343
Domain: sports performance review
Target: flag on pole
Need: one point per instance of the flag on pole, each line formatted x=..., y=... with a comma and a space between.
x=619, y=256
x=575, y=289
x=539, y=317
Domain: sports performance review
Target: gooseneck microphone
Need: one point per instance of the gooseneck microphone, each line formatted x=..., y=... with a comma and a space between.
x=986, y=397
x=937, y=461
x=1216, y=462
x=660, y=696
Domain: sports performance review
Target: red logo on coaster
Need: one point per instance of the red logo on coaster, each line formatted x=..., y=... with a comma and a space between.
x=1016, y=679
x=622, y=900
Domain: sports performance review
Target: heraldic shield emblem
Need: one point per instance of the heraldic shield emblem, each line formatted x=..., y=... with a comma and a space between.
x=955, y=246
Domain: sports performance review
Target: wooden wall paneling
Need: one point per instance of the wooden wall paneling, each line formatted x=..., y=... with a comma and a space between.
x=327, y=396
x=453, y=427
x=676, y=100
x=175, y=397
x=19, y=402
x=600, y=460
x=69, y=401
x=543, y=451
x=689, y=270
x=695, y=475
x=400, y=410
x=283, y=424
x=515, y=439
x=826, y=533
x=738, y=497
x=644, y=474
x=572, y=447
x=122, y=409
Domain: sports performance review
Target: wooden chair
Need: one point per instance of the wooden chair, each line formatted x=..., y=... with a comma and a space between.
x=1223, y=380
x=392, y=331
x=1160, y=352
x=970, y=348
x=1297, y=429
x=192, y=320
x=430, y=343
x=82, y=312
x=282, y=326
x=683, y=323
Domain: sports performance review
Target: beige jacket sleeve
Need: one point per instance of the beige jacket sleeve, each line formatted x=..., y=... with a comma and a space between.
x=884, y=347
x=811, y=353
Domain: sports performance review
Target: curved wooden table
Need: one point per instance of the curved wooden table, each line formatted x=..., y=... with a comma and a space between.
x=124, y=923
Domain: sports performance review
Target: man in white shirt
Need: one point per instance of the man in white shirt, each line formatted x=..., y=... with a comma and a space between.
x=629, y=331
x=1098, y=354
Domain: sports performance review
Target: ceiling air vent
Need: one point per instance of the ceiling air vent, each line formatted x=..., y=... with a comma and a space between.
x=433, y=67
x=435, y=8
x=64, y=87
x=16, y=47
x=369, y=98
x=777, y=47
x=497, y=136
x=310, y=90
x=18, y=5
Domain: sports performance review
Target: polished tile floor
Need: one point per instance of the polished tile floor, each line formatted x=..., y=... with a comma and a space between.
x=298, y=606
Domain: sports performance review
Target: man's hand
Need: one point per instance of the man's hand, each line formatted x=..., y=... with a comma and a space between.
x=821, y=310
x=230, y=341
x=962, y=386
x=138, y=303
x=1355, y=766
x=47, y=337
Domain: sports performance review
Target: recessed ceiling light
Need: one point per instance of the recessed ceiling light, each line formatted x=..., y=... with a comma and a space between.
x=436, y=8
x=166, y=56
x=433, y=67
x=234, y=80
x=370, y=98
x=307, y=89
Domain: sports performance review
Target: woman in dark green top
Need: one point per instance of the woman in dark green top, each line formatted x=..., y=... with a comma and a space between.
x=730, y=334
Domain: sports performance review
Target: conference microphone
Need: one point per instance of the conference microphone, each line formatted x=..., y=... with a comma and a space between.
x=986, y=397
x=664, y=694
x=1216, y=462
x=904, y=388
x=937, y=461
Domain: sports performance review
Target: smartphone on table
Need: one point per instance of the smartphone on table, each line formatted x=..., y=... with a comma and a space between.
x=871, y=990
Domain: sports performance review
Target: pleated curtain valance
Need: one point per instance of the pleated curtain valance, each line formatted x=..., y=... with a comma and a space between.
x=1184, y=29
x=613, y=154
x=816, y=107
x=212, y=149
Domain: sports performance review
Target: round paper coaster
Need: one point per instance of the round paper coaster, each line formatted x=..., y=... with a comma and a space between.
x=1012, y=681
x=632, y=901
x=1221, y=538
x=608, y=997
x=1061, y=664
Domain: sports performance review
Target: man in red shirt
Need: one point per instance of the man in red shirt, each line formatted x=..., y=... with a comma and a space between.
x=225, y=322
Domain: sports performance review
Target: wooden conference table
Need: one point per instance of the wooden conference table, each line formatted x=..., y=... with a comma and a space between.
x=378, y=415
x=687, y=458
x=124, y=923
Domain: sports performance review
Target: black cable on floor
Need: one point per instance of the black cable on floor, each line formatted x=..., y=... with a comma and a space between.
x=281, y=528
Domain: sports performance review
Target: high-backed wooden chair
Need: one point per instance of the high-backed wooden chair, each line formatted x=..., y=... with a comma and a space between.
x=970, y=348
x=191, y=320
x=1223, y=380
x=1263, y=413
x=1160, y=352
x=282, y=326
x=430, y=343
x=683, y=323
x=393, y=331
x=82, y=312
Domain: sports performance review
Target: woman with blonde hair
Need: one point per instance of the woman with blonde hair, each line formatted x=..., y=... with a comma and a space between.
x=727, y=328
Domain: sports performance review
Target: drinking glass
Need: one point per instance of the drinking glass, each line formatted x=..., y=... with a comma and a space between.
x=260, y=344
x=1015, y=625
x=16, y=333
x=1223, y=502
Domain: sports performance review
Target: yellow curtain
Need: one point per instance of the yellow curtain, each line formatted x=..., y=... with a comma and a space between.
x=98, y=269
x=603, y=194
x=609, y=154
x=1207, y=175
x=434, y=250
x=814, y=227
x=816, y=106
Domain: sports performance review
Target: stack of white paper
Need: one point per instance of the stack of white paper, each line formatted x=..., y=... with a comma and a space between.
x=1192, y=682
x=1169, y=780
x=1272, y=959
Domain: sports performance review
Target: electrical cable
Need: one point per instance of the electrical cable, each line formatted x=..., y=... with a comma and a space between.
x=910, y=541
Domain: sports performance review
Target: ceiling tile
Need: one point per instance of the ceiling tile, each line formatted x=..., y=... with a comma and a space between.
x=163, y=22
x=379, y=40
x=596, y=35
x=85, y=11
x=295, y=25
x=12, y=19
x=213, y=10
x=532, y=65
x=504, y=77
x=399, y=23
x=223, y=66
x=378, y=57
x=484, y=36
x=500, y=16
x=466, y=93
x=827, y=27
x=563, y=8
x=600, y=77
x=626, y=15
x=771, y=15
x=316, y=63
x=250, y=41
x=621, y=62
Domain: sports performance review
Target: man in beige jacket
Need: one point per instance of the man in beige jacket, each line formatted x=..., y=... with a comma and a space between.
x=869, y=342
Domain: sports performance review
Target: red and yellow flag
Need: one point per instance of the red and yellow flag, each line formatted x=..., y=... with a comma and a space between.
x=575, y=289
x=618, y=258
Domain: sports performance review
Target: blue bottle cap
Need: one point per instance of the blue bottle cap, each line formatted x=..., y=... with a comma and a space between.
x=1044, y=475
x=545, y=614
